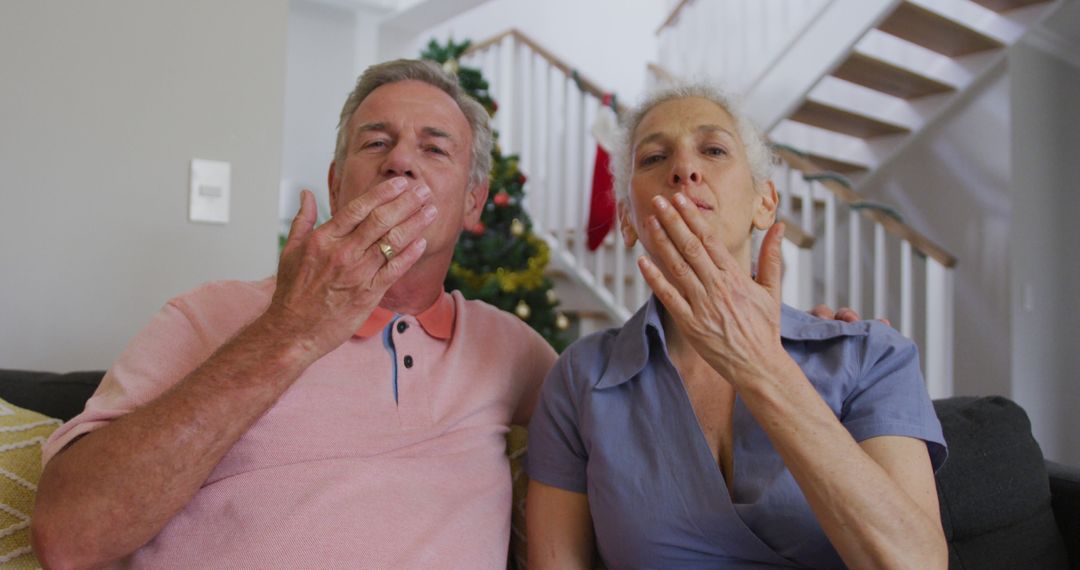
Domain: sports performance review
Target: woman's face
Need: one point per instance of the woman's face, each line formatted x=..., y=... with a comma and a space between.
x=692, y=146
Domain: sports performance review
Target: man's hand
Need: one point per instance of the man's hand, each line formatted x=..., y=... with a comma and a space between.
x=846, y=314
x=331, y=278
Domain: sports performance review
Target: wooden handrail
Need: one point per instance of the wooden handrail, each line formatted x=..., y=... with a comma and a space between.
x=848, y=196
x=587, y=85
x=673, y=16
x=662, y=73
x=795, y=234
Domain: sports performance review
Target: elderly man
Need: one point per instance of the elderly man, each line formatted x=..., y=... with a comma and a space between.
x=346, y=413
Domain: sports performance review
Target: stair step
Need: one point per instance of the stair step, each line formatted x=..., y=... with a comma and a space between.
x=838, y=120
x=836, y=165
x=887, y=78
x=1006, y=5
x=935, y=32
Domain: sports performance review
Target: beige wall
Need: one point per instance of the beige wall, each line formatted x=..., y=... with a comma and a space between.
x=103, y=106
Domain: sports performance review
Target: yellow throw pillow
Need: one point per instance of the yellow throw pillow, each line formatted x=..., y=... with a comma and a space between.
x=22, y=433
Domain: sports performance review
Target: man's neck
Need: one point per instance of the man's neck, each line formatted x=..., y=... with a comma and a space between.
x=417, y=290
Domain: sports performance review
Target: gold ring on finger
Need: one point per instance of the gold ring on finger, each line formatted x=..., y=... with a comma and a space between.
x=387, y=250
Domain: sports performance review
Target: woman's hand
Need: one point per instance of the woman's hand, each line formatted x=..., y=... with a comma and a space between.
x=731, y=319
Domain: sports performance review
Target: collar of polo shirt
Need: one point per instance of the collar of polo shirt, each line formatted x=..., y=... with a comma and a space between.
x=436, y=320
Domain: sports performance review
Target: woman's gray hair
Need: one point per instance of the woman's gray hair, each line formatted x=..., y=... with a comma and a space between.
x=758, y=153
x=429, y=72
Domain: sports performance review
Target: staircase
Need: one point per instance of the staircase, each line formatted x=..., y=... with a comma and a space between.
x=841, y=86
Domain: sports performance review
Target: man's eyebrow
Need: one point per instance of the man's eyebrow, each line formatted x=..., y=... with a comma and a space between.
x=368, y=127
x=435, y=132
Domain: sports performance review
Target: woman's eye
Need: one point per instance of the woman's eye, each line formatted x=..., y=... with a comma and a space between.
x=715, y=151
x=651, y=159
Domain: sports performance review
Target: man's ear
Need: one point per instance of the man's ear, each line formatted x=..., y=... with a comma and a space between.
x=626, y=224
x=332, y=183
x=475, y=199
x=768, y=201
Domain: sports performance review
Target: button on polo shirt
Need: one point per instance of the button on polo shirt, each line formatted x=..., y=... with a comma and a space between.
x=409, y=379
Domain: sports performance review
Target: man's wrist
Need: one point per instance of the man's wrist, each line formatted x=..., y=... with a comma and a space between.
x=281, y=344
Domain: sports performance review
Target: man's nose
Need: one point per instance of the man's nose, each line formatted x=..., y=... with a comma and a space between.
x=400, y=161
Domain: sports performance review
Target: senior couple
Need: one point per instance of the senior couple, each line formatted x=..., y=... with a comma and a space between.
x=350, y=413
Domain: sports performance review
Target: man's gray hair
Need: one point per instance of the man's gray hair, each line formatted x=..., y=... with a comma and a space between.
x=429, y=72
x=758, y=153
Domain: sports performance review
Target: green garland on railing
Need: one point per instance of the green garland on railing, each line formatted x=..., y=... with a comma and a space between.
x=829, y=175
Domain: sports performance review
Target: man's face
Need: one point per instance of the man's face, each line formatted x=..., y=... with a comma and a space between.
x=413, y=130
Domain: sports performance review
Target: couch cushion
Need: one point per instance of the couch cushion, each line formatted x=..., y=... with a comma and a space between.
x=22, y=432
x=55, y=395
x=994, y=490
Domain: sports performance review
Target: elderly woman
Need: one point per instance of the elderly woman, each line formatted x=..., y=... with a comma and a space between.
x=719, y=428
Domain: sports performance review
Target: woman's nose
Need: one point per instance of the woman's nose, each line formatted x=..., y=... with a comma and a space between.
x=684, y=173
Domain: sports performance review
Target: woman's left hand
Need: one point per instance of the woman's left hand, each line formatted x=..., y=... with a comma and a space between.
x=731, y=319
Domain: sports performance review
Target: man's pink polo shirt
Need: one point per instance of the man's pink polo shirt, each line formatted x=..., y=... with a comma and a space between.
x=337, y=474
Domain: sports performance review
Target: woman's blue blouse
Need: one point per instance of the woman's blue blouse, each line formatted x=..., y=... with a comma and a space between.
x=614, y=421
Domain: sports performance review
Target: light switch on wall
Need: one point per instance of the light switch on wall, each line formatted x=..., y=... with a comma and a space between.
x=210, y=182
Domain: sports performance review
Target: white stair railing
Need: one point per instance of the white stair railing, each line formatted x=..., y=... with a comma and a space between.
x=892, y=259
x=546, y=110
x=545, y=114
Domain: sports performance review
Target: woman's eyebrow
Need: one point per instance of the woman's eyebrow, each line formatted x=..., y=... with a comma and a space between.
x=716, y=129
x=654, y=137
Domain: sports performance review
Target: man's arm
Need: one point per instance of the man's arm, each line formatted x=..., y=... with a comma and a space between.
x=114, y=489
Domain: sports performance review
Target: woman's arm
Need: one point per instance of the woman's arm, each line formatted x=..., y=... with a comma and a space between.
x=876, y=501
x=559, y=528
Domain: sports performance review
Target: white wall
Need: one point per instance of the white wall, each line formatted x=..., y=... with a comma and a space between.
x=953, y=183
x=103, y=106
x=320, y=72
x=1045, y=281
x=997, y=183
x=609, y=41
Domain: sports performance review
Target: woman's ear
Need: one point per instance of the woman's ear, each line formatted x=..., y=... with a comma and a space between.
x=626, y=224
x=768, y=201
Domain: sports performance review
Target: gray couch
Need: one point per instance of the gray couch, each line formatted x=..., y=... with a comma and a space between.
x=1002, y=505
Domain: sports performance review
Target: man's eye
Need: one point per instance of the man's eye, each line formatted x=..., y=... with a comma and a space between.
x=375, y=144
x=437, y=150
x=651, y=159
x=715, y=151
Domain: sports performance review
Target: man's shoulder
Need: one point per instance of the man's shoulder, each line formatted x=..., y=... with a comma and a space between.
x=496, y=325
x=226, y=293
x=483, y=314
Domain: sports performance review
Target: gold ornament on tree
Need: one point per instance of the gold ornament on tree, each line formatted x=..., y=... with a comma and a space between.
x=552, y=298
x=561, y=322
x=517, y=228
x=522, y=310
x=451, y=66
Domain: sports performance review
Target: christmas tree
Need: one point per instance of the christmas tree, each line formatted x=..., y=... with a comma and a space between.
x=500, y=260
